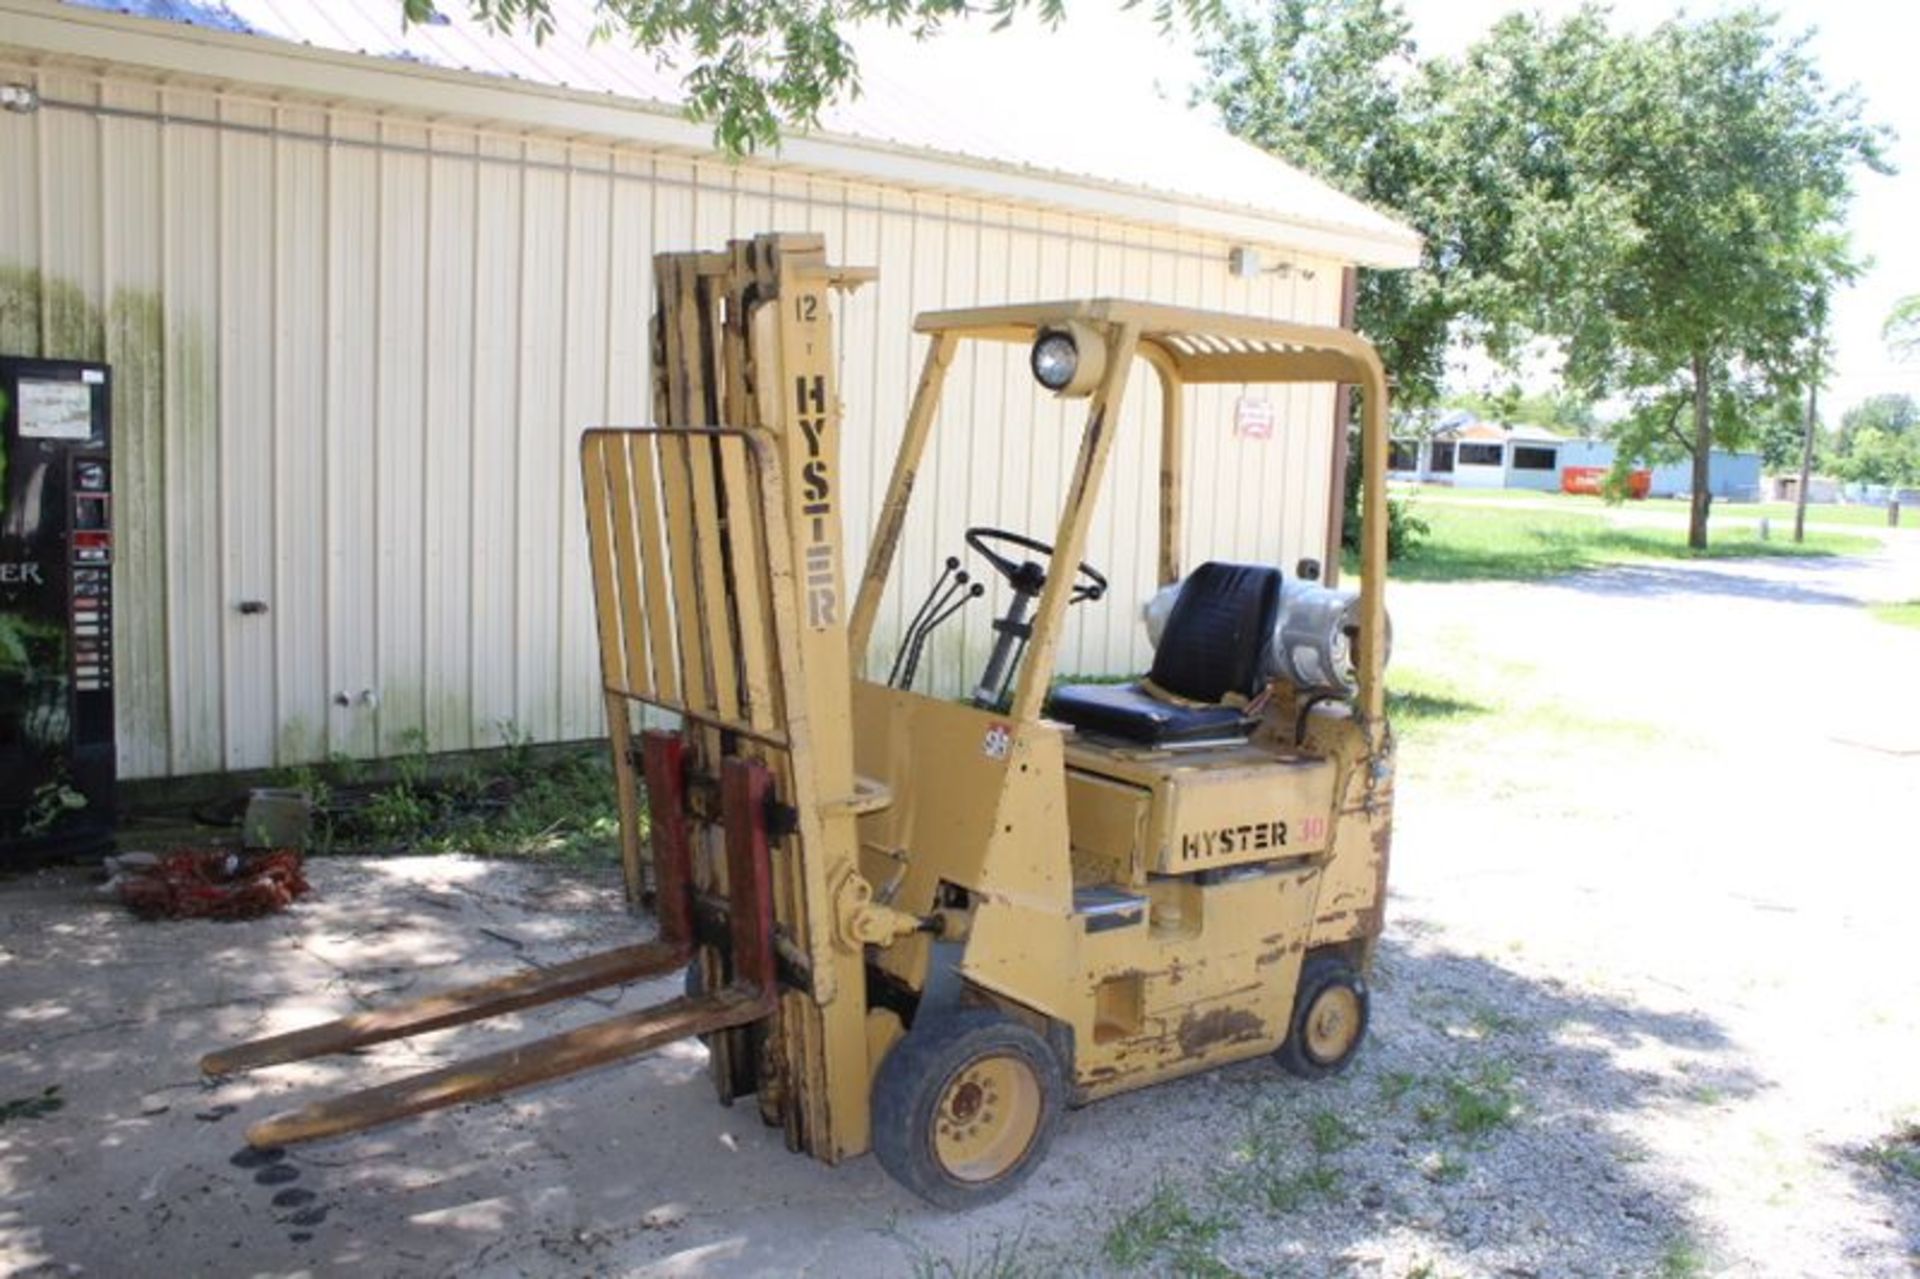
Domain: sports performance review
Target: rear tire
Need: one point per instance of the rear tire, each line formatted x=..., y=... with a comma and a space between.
x=965, y=1107
x=1329, y=1018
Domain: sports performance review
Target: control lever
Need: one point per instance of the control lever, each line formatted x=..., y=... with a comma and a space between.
x=973, y=592
x=926, y=608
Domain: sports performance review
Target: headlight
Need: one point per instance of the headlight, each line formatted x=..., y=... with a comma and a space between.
x=1069, y=360
x=1055, y=359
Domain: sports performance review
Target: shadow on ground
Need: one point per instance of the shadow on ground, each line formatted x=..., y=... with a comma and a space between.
x=1474, y=1073
x=1662, y=579
x=1481, y=1130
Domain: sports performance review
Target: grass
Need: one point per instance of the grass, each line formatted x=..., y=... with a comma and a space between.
x=1826, y=513
x=1329, y=1134
x=1426, y=708
x=1006, y=1257
x=1169, y=1231
x=1898, y=1155
x=1476, y=1104
x=1683, y=1258
x=1907, y=614
x=1779, y=513
x=1489, y=542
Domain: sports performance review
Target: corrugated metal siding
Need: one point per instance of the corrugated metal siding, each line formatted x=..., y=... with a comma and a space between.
x=353, y=356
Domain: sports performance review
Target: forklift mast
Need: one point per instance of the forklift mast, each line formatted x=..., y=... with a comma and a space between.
x=715, y=540
x=716, y=545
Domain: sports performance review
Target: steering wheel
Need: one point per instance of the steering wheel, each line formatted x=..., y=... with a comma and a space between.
x=1027, y=576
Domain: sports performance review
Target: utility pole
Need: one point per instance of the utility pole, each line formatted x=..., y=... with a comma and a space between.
x=1806, y=444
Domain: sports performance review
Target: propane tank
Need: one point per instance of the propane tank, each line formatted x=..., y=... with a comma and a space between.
x=1312, y=646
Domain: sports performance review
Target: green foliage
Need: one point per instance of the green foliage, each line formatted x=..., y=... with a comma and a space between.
x=1476, y=1104
x=1334, y=87
x=1005, y=1257
x=1902, y=329
x=1662, y=208
x=1330, y=1134
x=1166, y=1228
x=511, y=804
x=1879, y=442
x=1560, y=410
x=1682, y=1259
x=1405, y=528
x=1899, y=1154
x=753, y=68
x=52, y=800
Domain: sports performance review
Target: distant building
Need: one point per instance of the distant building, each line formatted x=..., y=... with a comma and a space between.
x=1471, y=454
x=1467, y=453
x=1731, y=477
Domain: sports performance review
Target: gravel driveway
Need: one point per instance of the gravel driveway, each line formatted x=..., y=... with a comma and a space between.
x=1648, y=996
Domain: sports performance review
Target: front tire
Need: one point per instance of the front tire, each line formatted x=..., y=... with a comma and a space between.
x=1330, y=1014
x=965, y=1107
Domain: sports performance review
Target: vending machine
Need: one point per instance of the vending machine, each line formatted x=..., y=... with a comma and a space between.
x=56, y=608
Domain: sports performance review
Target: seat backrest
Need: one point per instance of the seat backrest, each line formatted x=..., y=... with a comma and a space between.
x=1219, y=627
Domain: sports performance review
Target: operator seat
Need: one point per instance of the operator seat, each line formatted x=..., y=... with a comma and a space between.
x=1209, y=653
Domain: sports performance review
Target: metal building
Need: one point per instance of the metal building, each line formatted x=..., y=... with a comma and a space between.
x=363, y=287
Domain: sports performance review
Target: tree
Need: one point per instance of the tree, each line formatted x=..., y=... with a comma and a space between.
x=1332, y=87
x=754, y=66
x=1677, y=202
x=1879, y=442
x=1557, y=409
x=1663, y=207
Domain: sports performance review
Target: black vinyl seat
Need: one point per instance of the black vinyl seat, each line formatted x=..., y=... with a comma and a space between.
x=1211, y=650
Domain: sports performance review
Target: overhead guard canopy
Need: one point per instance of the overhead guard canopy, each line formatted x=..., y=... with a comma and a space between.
x=1200, y=347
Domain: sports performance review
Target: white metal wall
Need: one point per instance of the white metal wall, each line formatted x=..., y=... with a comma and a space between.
x=353, y=354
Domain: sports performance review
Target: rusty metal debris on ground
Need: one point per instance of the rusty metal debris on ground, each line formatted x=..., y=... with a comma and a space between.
x=208, y=883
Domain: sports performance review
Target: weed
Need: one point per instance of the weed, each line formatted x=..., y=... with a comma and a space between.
x=1476, y=1105
x=1682, y=1259
x=561, y=808
x=52, y=800
x=1705, y=1095
x=1289, y=1192
x=516, y=749
x=1899, y=1154
x=1396, y=1084
x=1443, y=1167
x=1329, y=1133
x=1262, y=1142
x=410, y=766
x=1007, y=1257
x=1487, y=1022
x=36, y=1107
x=1166, y=1228
x=399, y=814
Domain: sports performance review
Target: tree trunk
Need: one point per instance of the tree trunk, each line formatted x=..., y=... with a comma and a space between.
x=1702, y=455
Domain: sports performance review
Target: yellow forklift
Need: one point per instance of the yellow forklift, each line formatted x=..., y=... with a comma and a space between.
x=921, y=926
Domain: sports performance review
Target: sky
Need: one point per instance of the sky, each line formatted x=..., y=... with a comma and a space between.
x=1866, y=43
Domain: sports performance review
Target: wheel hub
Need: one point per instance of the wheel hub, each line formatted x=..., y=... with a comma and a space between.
x=988, y=1116
x=1332, y=1023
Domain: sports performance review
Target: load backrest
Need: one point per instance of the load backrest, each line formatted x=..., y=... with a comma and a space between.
x=1218, y=629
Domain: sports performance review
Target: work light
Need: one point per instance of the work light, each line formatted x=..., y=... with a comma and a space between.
x=1068, y=360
